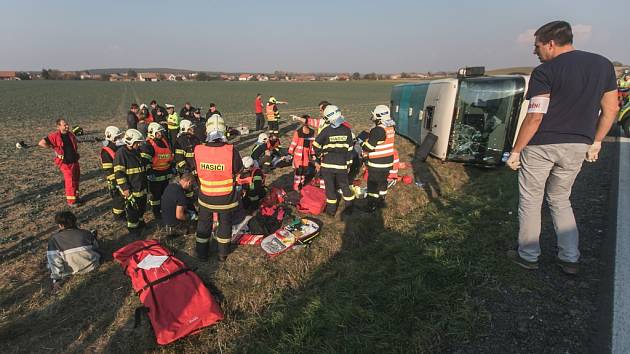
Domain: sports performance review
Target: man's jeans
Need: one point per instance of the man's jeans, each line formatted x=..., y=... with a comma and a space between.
x=554, y=166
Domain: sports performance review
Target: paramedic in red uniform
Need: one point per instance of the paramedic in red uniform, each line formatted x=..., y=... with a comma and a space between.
x=218, y=164
x=64, y=144
x=301, y=149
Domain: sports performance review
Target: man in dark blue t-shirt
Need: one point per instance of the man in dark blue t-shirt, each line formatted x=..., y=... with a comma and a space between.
x=572, y=105
x=177, y=209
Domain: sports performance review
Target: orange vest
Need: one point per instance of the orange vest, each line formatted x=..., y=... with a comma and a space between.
x=271, y=114
x=162, y=156
x=386, y=148
x=214, y=169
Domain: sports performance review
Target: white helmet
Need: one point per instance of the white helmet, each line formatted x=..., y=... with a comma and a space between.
x=111, y=133
x=380, y=113
x=132, y=136
x=248, y=162
x=262, y=138
x=154, y=128
x=331, y=113
x=333, y=116
x=215, y=124
x=184, y=125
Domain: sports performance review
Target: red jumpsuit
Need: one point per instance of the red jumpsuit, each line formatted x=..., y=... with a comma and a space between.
x=302, y=150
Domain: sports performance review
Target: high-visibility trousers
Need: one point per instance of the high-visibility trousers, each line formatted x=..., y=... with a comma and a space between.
x=71, y=174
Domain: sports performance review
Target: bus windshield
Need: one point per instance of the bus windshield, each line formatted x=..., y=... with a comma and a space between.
x=485, y=119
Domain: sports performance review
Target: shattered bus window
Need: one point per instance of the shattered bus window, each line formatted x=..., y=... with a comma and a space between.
x=485, y=112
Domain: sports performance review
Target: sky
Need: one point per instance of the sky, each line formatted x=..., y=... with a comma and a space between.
x=298, y=36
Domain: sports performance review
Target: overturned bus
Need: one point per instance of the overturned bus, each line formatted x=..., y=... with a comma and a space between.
x=472, y=118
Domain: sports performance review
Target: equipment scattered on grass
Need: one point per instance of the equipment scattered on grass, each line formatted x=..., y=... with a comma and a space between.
x=21, y=145
x=174, y=297
x=299, y=232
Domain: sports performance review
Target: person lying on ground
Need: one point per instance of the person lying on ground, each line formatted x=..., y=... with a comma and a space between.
x=71, y=250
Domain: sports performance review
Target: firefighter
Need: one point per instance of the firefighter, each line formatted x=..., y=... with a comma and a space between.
x=273, y=115
x=159, y=158
x=64, y=144
x=108, y=154
x=185, y=147
x=218, y=164
x=302, y=150
x=258, y=150
x=333, y=146
x=172, y=122
x=379, y=148
x=252, y=179
x=131, y=180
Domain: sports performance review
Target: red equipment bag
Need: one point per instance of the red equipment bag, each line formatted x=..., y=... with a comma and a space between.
x=177, y=301
x=312, y=200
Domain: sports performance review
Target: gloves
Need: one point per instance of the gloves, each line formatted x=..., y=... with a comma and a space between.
x=192, y=215
x=593, y=151
x=514, y=161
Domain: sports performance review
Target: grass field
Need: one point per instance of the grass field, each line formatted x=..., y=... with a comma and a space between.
x=428, y=274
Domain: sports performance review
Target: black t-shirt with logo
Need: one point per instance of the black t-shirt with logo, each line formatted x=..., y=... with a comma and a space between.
x=576, y=82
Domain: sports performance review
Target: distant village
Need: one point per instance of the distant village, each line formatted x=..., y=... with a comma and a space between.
x=132, y=75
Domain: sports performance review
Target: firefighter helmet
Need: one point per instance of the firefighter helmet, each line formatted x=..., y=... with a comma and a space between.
x=132, y=136
x=184, y=125
x=262, y=138
x=111, y=133
x=380, y=113
x=331, y=113
x=154, y=128
x=272, y=100
x=215, y=124
x=333, y=116
x=248, y=162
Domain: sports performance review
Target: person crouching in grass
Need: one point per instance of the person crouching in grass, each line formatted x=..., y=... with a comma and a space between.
x=71, y=250
x=177, y=208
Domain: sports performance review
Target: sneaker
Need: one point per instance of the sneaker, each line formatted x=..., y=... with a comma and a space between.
x=516, y=258
x=570, y=268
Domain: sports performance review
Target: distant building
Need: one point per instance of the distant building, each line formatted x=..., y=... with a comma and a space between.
x=8, y=75
x=171, y=77
x=151, y=77
x=305, y=78
x=245, y=77
x=115, y=77
x=262, y=77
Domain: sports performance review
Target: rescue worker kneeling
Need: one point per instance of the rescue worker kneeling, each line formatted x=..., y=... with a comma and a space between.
x=333, y=146
x=218, y=164
x=158, y=156
x=379, y=148
x=177, y=208
x=108, y=153
x=131, y=180
x=252, y=180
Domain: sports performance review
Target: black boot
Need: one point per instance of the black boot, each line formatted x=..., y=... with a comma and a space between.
x=224, y=250
x=380, y=204
x=201, y=250
x=369, y=207
x=347, y=211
